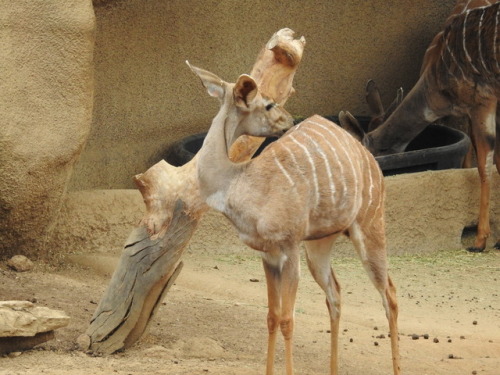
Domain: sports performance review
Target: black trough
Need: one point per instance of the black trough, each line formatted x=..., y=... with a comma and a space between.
x=437, y=147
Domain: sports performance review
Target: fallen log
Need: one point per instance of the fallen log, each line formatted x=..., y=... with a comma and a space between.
x=150, y=261
x=147, y=269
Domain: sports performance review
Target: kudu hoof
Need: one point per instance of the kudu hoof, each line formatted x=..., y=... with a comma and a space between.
x=474, y=249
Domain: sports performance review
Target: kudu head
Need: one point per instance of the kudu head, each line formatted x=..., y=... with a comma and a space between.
x=249, y=111
x=368, y=136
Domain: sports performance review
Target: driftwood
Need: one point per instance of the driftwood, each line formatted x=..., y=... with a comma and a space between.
x=146, y=270
x=150, y=261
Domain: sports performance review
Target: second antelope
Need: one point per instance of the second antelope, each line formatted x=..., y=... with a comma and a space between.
x=313, y=184
x=460, y=78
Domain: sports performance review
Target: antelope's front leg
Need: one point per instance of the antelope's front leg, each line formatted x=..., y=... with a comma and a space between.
x=282, y=276
x=483, y=135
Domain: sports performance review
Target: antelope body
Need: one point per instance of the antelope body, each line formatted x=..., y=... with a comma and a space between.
x=313, y=184
x=461, y=77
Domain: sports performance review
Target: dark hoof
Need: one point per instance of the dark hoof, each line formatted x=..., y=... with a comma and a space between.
x=474, y=249
x=497, y=245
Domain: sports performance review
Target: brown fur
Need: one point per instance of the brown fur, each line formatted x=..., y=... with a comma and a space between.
x=460, y=78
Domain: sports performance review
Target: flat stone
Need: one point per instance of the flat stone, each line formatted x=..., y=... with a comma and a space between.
x=23, y=318
x=20, y=263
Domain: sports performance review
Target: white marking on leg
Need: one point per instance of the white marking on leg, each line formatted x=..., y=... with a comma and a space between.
x=274, y=259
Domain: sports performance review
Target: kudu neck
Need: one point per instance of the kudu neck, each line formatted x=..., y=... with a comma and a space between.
x=215, y=169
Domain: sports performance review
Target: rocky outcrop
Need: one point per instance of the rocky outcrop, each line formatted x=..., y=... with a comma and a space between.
x=46, y=96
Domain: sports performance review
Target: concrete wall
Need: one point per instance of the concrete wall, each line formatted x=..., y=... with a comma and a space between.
x=146, y=97
x=425, y=213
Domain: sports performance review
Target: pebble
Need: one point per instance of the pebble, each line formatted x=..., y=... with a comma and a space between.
x=83, y=342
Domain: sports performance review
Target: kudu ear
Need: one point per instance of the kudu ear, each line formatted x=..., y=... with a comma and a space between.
x=214, y=85
x=349, y=123
x=373, y=99
x=245, y=90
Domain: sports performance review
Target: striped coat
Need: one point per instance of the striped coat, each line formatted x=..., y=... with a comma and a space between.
x=470, y=50
x=318, y=181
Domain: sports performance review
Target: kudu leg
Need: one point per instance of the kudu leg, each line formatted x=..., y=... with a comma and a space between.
x=318, y=254
x=372, y=252
x=282, y=282
x=497, y=157
x=483, y=135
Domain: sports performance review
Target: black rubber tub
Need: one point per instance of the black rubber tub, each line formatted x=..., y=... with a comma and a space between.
x=437, y=147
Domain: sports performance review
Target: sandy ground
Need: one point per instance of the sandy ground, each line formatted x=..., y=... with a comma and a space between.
x=213, y=319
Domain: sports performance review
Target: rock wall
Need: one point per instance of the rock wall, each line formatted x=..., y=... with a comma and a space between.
x=146, y=97
x=46, y=97
x=425, y=212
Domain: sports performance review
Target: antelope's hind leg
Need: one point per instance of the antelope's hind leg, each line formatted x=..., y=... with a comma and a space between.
x=318, y=254
x=483, y=119
x=372, y=251
x=497, y=156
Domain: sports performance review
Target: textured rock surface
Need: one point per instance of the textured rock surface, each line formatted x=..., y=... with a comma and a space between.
x=20, y=263
x=23, y=318
x=46, y=97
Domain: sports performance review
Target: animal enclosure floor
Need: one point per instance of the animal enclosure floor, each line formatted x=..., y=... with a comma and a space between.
x=213, y=320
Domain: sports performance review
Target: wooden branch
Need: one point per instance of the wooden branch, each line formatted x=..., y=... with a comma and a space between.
x=150, y=261
x=273, y=70
x=146, y=270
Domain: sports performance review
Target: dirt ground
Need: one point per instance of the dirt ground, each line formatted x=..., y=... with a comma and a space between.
x=213, y=319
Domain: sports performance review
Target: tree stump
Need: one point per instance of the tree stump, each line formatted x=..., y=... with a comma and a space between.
x=146, y=271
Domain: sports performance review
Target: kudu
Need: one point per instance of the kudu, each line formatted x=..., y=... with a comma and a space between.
x=313, y=184
x=460, y=78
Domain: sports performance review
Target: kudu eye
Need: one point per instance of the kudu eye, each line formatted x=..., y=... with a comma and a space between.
x=270, y=106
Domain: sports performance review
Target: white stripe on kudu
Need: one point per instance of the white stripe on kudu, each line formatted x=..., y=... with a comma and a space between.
x=339, y=177
x=282, y=169
x=345, y=149
x=312, y=165
x=328, y=169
